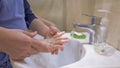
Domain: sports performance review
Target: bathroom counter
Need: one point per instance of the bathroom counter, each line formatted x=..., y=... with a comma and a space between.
x=92, y=59
x=89, y=58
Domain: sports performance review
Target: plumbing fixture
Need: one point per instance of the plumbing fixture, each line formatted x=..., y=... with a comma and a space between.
x=90, y=28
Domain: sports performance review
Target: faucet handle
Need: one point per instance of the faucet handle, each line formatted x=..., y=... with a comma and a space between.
x=89, y=29
x=82, y=26
x=95, y=19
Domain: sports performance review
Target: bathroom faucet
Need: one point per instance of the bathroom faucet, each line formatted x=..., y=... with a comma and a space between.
x=91, y=28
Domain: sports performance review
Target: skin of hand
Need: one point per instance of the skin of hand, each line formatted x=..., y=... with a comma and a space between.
x=53, y=31
x=56, y=42
x=39, y=26
x=46, y=29
x=18, y=44
x=52, y=27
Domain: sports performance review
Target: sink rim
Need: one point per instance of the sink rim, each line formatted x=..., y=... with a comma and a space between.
x=82, y=53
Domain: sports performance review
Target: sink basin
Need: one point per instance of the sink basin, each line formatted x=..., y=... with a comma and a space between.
x=73, y=52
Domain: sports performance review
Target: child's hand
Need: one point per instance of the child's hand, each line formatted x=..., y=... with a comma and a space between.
x=56, y=42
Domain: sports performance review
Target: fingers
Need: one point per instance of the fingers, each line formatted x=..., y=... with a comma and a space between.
x=55, y=52
x=40, y=46
x=59, y=34
x=61, y=48
x=31, y=34
x=53, y=30
x=33, y=50
x=61, y=40
x=55, y=48
x=57, y=42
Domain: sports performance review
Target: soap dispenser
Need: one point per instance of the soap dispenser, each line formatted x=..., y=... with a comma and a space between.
x=101, y=30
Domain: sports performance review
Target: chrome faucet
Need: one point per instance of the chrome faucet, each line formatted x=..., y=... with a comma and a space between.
x=91, y=28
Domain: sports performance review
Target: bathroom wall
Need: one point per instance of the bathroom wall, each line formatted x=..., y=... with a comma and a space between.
x=66, y=12
x=114, y=20
x=114, y=26
x=51, y=10
x=75, y=10
x=63, y=12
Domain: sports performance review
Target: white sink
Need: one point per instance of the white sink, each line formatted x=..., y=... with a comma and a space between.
x=92, y=59
x=72, y=53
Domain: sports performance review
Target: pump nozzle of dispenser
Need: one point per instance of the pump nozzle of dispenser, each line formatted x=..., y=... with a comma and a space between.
x=104, y=20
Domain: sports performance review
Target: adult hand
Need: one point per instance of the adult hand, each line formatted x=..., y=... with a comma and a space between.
x=53, y=31
x=18, y=43
x=46, y=29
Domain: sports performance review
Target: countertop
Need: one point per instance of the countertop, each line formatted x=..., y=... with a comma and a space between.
x=92, y=59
